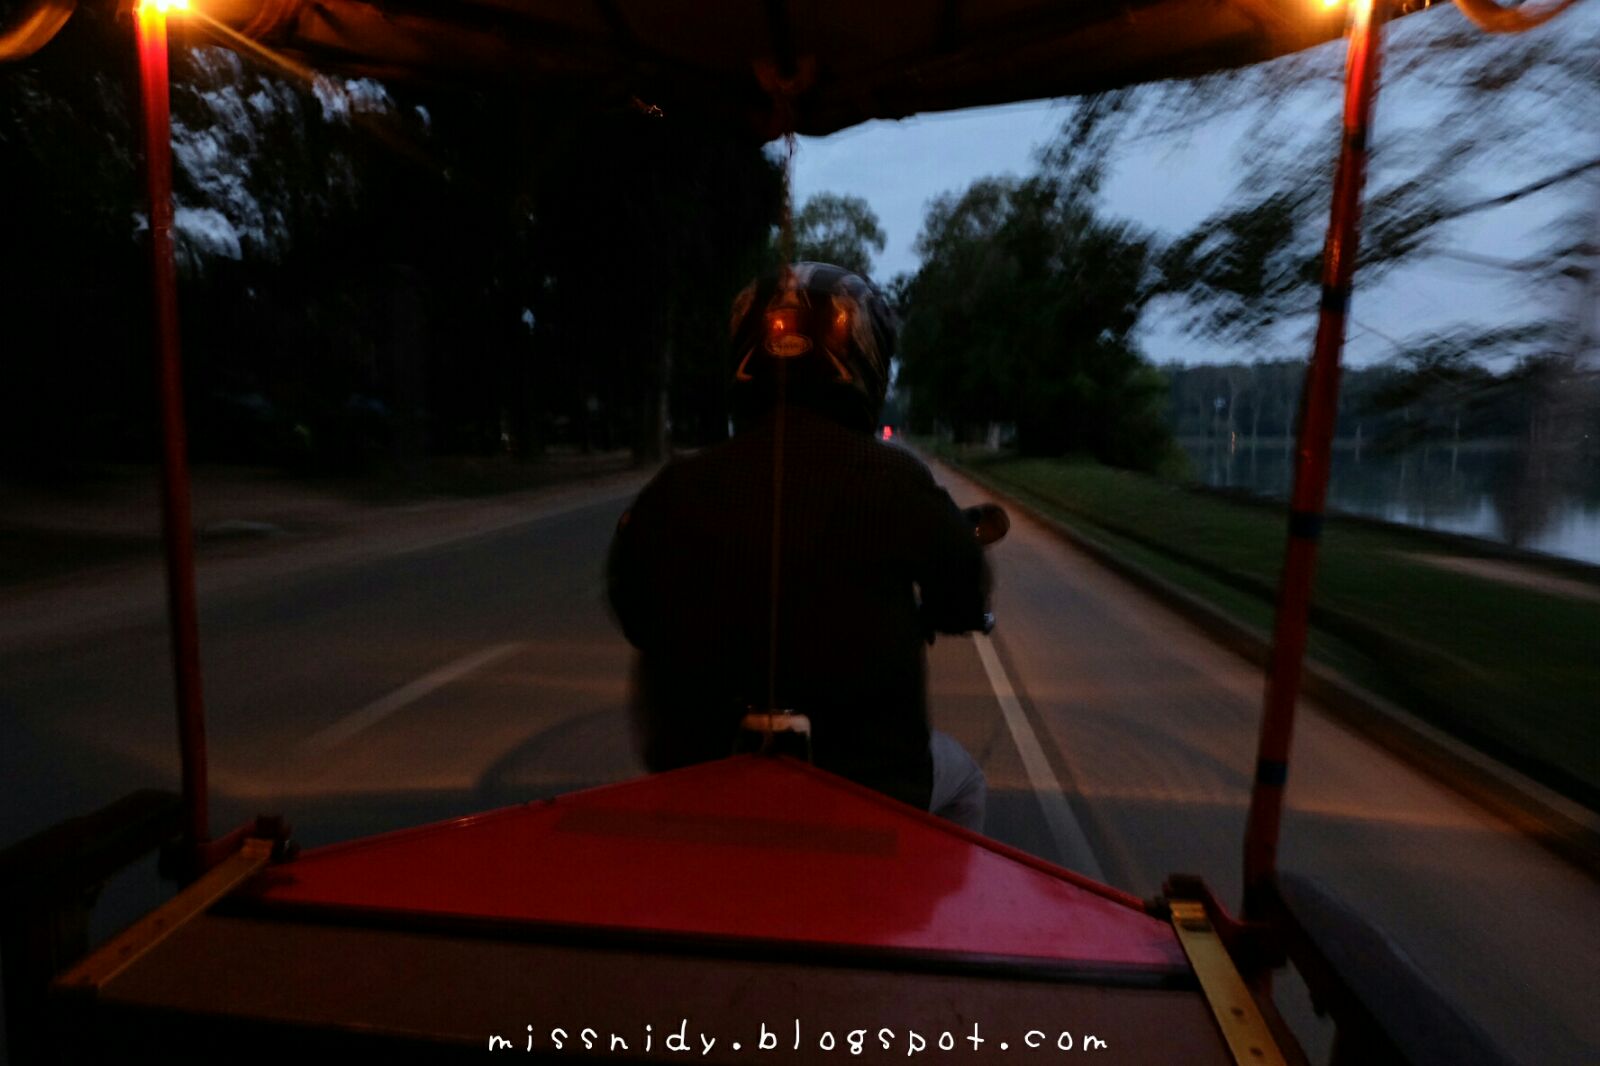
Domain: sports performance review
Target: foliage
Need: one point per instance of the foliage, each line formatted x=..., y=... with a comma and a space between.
x=1024, y=312
x=1255, y=401
x=1444, y=391
x=1475, y=135
x=837, y=229
x=1525, y=105
x=1437, y=392
x=67, y=254
x=674, y=220
x=368, y=274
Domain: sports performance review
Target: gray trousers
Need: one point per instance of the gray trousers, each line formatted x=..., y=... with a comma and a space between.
x=960, y=791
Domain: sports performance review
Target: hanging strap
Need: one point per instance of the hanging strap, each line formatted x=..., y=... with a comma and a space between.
x=1492, y=18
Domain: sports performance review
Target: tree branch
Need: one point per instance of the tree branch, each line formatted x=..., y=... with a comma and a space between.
x=1529, y=189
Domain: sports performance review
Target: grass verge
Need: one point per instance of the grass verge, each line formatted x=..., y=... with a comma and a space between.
x=1513, y=671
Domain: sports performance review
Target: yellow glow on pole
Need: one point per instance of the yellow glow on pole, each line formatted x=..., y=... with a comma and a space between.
x=162, y=7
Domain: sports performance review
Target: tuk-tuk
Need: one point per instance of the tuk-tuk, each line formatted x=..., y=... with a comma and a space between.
x=756, y=907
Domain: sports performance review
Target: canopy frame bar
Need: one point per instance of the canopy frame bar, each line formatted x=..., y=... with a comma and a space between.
x=1319, y=401
x=176, y=511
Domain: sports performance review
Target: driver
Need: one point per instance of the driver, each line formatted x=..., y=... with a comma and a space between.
x=802, y=565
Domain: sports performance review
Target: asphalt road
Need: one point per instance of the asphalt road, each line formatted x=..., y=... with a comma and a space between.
x=441, y=679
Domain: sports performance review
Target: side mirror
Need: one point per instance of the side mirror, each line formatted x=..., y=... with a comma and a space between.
x=989, y=522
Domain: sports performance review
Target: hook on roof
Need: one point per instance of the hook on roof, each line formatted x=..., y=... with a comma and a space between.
x=1490, y=17
x=35, y=29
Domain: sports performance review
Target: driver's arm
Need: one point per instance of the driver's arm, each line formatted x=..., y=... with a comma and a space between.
x=953, y=577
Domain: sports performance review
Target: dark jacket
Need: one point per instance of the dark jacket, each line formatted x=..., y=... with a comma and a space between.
x=864, y=534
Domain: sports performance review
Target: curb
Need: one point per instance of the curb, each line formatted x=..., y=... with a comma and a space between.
x=1563, y=826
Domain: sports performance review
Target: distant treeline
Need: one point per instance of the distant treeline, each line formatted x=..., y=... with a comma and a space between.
x=368, y=274
x=1544, y=403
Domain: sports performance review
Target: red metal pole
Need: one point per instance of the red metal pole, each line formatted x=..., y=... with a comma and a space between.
x=1318, y=408
x=151, y=21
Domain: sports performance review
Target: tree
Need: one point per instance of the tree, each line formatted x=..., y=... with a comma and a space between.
x=1476, y=134
x=369, y=273
x=674, y=220
x=1024, y=312
x=842, y=230
x=75, y=336
x=1534, y=98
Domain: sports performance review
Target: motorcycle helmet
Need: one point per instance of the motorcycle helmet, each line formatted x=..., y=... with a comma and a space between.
x=816, y=335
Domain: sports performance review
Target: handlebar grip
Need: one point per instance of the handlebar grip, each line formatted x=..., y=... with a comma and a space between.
x=984, y=625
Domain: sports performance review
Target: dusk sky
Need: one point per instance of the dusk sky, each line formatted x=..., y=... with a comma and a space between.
x=899, y=167
x=1170, y=184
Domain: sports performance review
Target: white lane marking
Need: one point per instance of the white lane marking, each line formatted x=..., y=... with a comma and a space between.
x=381, y=708
x=1072, y=843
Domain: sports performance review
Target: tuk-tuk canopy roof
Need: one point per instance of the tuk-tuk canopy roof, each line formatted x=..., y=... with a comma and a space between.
x=835, y=62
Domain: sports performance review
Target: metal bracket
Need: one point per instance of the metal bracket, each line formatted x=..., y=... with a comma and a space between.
x=1240, y=1020
x=101, y=966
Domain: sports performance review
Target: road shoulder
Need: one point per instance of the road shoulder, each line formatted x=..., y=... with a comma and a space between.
x=1567, y=828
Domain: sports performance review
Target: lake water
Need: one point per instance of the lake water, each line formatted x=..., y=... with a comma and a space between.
x=1482, y=490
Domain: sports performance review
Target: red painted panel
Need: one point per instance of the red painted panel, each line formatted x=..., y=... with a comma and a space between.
x=748, y=847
